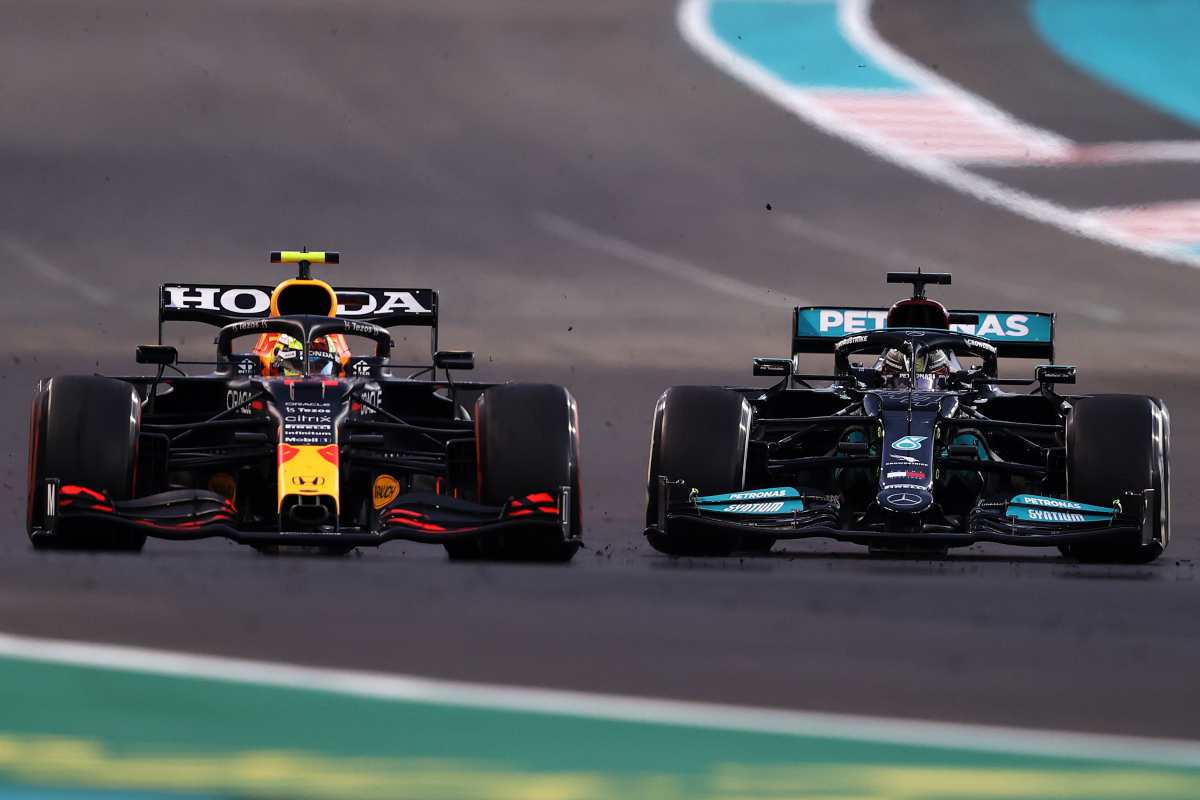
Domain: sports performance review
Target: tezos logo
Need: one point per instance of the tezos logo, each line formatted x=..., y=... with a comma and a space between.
x=908, y=442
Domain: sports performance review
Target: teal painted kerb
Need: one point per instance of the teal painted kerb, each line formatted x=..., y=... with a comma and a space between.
x=128, y=728
x=799, y=43
x=48, y=793
x=1144, y=48
x=133, y=713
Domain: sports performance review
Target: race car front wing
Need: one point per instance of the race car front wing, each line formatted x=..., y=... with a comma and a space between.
x=185, y=515
x=787, y=513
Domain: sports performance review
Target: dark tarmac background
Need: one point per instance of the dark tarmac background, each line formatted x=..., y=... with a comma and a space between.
x=590, y=197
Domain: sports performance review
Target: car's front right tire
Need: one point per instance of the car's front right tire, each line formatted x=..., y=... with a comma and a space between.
x=83, y=431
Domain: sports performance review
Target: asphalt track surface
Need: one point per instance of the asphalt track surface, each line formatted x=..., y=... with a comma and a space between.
x=576, y=181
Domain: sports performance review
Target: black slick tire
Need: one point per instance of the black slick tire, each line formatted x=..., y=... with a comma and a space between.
x=527, y=443
x=700, y=435
x=84, y=431
x=1116, y=444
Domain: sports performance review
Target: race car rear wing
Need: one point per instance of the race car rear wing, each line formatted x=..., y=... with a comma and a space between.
x=218, y=304
x=1016, y=334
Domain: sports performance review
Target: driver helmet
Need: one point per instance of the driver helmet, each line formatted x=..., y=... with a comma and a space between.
x=930, y=365
x=934, y=362
x=288, y=357
x=895, y=362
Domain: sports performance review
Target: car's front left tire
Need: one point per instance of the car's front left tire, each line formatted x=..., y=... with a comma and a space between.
x=527, y=443
x=1116, y=444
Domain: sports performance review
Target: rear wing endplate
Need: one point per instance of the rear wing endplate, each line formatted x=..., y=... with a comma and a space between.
x=1016, y=334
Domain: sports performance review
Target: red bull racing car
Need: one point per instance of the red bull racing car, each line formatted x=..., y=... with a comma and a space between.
x=914, y=444
x=292, y=439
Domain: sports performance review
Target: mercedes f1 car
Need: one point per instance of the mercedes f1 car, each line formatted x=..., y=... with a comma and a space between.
x=298, y=441
x=919, y=448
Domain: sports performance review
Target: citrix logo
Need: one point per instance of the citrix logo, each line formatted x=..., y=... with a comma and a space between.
x=309, y=418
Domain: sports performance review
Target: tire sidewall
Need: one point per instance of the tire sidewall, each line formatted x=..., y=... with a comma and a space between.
x=1156, y=461
x=731, y=439
x=85, y=432
x=499, y=410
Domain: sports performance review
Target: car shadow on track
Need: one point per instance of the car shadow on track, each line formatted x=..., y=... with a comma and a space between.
x=955, y=564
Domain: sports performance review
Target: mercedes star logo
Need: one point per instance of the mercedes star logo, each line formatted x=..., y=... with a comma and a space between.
x=903, y=499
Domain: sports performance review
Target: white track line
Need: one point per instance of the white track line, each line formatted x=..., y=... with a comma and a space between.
x=854, y=17
x=51, y=272
x=669, y=266
x=1177, y=221
x=1106, y=153
x=383, y=686
x=692, y=18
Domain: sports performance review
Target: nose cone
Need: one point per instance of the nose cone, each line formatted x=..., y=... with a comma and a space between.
x=905, y=501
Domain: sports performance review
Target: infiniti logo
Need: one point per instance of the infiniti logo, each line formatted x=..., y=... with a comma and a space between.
x=903, y=499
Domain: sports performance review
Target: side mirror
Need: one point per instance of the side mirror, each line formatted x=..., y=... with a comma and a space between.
x=1054, y=373
x=454, y=359
x=772, y=367
x=164, y=355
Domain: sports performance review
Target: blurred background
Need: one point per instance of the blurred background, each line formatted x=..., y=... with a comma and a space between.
x=617, y=196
